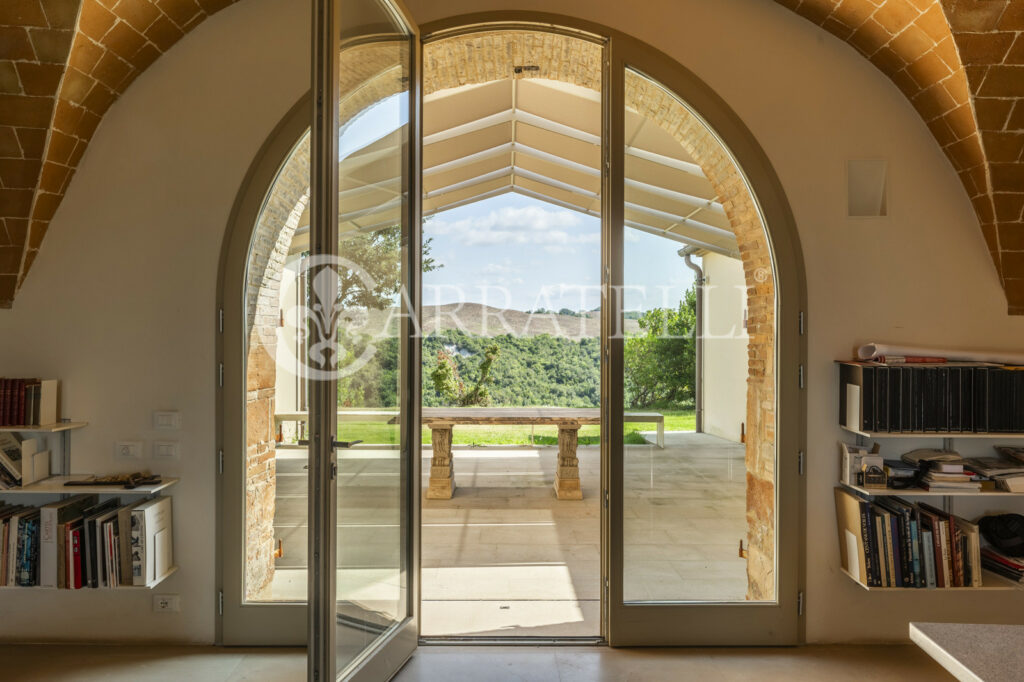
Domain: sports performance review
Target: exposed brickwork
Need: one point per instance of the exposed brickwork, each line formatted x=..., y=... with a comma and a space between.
x=272, y=239
x=114, y=41
x=965, y=81
x=35, y=38
x=961, y=63
x=658, y=105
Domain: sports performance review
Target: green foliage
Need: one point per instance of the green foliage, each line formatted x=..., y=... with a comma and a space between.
x=661, y=360
x=534, y=370
x=449, y=385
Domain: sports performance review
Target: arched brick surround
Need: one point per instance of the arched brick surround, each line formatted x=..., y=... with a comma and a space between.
x=271, y=241
x=64, y=62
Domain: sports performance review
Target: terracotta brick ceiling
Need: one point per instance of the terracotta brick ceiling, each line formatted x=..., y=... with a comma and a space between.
x=64, y=62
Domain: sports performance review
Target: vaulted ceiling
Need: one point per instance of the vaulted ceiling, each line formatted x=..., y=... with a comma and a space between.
x=64, y=62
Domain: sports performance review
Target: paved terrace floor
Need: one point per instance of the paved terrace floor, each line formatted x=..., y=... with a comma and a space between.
x=504, y=557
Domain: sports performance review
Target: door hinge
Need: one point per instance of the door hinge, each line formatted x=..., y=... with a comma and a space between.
x=800, y=462
x=800, y=372
x=220, y=461
x=799, y=603
x=220, y=374
x=220, y=320
x=220, y=602
x=607, y=498
x=801, y=323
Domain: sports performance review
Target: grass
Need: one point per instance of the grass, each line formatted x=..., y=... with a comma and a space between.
x=387, y=434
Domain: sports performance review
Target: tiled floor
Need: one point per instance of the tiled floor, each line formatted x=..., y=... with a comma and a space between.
x=504, y=557
x=59, y=663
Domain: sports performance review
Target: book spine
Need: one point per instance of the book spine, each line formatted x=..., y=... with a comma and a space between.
x=48, y=562
x=76, y=558
x=928, y=551
x=947, y=571
x=868, y=537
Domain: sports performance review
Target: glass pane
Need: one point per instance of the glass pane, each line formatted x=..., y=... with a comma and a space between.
x=373, y=141
x=511, y=473
x=698, y=403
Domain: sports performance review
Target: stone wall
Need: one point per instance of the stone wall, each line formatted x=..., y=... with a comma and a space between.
x=272, y=239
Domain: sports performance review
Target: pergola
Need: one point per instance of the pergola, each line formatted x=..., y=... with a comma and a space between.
x=537, y=138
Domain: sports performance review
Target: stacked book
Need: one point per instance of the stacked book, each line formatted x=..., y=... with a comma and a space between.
x=1006, y=469
x=1006, y=566
x=81, y=542
x=935, y=397
x=889, y=542
x=29, y=402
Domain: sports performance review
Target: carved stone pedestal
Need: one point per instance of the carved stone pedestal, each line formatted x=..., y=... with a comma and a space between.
x=567, y=472
x=442, y=474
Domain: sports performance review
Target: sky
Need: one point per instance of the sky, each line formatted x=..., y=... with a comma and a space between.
x=516, y=252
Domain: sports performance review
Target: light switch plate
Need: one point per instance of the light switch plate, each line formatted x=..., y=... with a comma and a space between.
x=166, y=419
x=128, y=449
x=165, y=449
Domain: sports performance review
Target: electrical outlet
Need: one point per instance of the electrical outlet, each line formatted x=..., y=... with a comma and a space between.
x=130, y=449
x=166, y=603
x=165, y=449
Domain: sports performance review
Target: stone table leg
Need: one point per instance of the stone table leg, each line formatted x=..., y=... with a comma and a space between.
x=442, y=473
x=567, y=473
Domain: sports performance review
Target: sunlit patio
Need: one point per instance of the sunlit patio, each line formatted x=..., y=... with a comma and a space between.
x=505, y=557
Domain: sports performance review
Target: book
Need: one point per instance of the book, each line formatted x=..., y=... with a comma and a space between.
x=928, y=555
x=53, y=517
x=151, y=540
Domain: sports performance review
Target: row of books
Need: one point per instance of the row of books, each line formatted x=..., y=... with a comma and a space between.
x=81, y=542
x=951, y=397
x=29, y=402
x=889, y=542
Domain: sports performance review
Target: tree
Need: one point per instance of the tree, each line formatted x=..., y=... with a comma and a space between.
x=660, y=361
x=449, y=384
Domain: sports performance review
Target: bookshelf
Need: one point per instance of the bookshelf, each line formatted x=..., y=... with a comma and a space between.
x=54, y=487
x=989, y=582
x=943, y=407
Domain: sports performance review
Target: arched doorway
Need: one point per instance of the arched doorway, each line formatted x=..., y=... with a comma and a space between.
x=731, y=204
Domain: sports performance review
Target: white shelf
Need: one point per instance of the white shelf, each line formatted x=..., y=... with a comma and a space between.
x=48, y=428
x=932, y=434
x=106, y=590
x=920, y=492
x=989, y=581
x=55, y=484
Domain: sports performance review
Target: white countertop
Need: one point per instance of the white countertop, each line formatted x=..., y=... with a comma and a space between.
x=974, y=653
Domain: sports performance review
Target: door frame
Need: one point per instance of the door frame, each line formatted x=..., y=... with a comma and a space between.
x=241, y=623
x=628, y=625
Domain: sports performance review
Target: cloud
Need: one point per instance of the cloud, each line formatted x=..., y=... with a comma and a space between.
x=525, y=225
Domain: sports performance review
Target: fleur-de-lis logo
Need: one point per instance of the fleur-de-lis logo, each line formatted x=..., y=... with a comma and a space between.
x=310, y=335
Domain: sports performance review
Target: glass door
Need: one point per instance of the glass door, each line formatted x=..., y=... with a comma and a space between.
x=703, y=509
x=362, y=347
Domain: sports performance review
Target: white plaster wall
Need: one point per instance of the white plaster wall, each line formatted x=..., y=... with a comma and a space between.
x=725, y=347
x=120, y=302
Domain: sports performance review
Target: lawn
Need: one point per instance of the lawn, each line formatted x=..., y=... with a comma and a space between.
x=387, y=434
